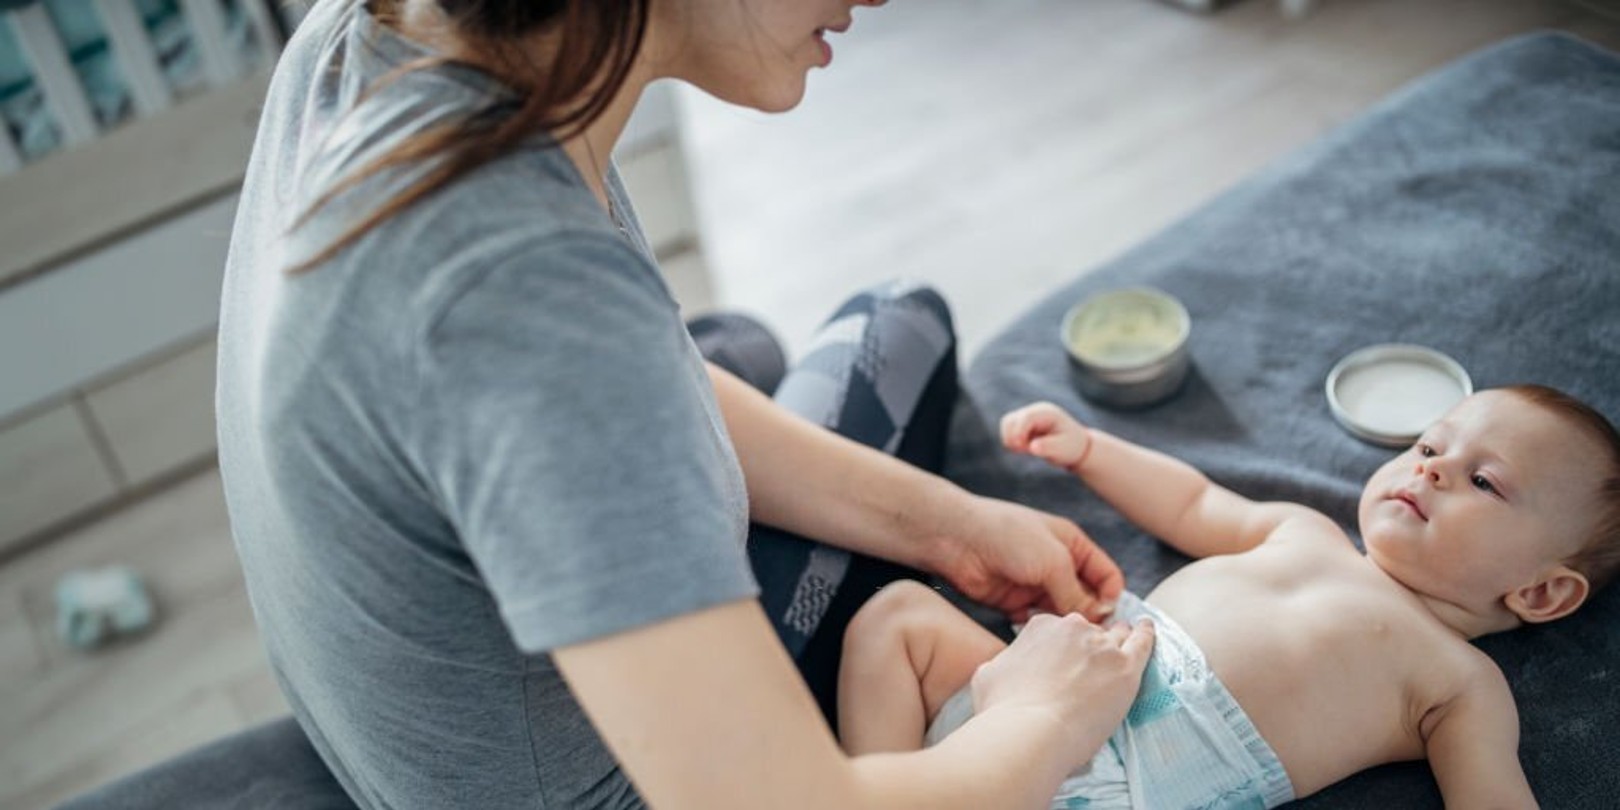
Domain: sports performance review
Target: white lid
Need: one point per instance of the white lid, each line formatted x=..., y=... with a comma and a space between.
x=1390, y=393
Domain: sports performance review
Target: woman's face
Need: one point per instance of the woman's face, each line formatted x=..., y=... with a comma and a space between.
x=755, y=53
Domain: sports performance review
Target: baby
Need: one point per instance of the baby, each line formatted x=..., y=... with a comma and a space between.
x=1287, y=660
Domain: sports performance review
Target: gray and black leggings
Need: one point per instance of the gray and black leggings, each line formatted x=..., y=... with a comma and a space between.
x=881, y=371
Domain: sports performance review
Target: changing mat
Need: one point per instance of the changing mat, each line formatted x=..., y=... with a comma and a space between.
x=1476, y=211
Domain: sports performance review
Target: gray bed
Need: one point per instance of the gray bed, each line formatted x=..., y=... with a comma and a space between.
x=1476, y=211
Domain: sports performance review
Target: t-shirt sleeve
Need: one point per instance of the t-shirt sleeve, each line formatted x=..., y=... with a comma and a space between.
x=564, y=427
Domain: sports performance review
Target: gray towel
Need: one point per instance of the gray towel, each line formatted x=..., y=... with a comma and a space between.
x=1476, y=211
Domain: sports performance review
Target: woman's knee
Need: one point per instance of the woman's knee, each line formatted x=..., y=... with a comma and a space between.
x=914, y=295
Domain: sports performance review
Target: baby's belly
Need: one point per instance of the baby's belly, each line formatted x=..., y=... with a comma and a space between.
x=1185, y=742
x=1322, y=691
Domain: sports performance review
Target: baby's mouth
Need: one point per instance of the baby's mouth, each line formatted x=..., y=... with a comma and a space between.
x=1409, y=500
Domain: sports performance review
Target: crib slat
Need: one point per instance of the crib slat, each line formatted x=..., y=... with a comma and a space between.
x=10, y=158
x=207, y=19
x=54, y=72
x=136, y=56
x=264, y=31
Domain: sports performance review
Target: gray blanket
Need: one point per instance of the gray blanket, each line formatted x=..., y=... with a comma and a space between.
x=1476, y=211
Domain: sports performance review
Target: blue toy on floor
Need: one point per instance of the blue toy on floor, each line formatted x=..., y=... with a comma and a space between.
x=96, y=606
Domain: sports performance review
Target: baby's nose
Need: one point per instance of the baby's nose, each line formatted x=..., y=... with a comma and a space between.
x=1426, y=468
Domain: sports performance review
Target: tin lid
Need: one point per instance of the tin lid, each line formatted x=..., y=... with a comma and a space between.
x=1390, y=393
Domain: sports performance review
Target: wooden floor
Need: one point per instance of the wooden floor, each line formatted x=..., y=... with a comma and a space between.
x=990, y=147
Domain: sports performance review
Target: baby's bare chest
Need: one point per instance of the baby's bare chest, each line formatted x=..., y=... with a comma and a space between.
x=1333, y=668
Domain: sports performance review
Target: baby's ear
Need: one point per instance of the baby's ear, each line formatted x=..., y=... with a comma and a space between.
x=1556, y=594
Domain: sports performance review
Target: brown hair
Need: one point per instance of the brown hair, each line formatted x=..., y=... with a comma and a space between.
x=1599, y=559
x=598, y=40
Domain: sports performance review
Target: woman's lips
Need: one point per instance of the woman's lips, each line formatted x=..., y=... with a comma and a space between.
x=821, y=39
x=826, y=49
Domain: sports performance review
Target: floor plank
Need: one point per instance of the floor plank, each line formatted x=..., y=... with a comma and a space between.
x=83, y=717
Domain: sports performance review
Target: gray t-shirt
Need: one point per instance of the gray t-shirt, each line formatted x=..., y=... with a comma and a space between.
x=478, y=434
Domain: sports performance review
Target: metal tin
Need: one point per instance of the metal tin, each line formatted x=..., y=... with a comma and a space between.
x=1128, y=347
x=1390, y=393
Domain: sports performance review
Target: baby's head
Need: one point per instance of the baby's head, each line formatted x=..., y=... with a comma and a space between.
x=1511, y=502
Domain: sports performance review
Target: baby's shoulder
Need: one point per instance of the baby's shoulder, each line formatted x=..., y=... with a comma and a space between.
x=1454, y=673
x=1472, y=671
x=1302, y=529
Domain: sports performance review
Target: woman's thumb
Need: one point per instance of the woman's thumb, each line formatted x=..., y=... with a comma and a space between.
x=1067, y=596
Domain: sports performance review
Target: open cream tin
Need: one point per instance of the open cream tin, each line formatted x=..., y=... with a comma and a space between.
x=1390, y=393
x=1128, y=346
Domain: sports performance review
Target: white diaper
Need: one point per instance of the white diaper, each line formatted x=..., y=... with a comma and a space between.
x=1185, y=743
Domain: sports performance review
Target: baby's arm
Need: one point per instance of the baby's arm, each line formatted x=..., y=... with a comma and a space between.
x=1472, y=742
x=1165, y=496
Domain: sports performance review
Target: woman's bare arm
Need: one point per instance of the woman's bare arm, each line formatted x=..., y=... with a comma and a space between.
x=706, y=711
x=821, y=485
x=816, y=483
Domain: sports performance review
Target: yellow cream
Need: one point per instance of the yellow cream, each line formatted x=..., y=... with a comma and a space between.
x=1127, y=328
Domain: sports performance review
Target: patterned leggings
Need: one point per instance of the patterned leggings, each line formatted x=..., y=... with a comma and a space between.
x=881, y=371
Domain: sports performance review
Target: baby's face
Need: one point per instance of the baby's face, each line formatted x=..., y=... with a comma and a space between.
x=1490, y=497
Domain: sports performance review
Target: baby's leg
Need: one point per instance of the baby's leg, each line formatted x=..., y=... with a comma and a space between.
x=905, y=653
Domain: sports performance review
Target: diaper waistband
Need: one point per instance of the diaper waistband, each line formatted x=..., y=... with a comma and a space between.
x=1177, y=675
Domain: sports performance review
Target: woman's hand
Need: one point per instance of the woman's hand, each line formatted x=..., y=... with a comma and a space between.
x=1049, y=433
x=1088, y=675
x=1020, y=560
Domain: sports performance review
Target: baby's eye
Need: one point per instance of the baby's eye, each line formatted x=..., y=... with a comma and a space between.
x=1425, y=451
x=1482, y=484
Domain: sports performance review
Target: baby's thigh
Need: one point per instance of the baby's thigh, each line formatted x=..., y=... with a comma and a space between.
x=944, y=645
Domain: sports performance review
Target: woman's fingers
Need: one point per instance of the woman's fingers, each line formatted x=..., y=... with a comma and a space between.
x=1117, y=633
x=1138, y=644
x=1099, y=573
x=1067, y=595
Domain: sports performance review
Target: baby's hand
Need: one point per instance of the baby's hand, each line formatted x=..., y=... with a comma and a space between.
x=1047, y=432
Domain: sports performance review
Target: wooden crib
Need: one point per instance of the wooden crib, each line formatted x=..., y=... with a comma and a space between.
x=113, y=236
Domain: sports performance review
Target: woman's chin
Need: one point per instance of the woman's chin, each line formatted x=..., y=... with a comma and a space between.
x=780, y=99
x=767, y=97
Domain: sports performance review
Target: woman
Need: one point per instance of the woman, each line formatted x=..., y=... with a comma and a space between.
x=491, y=504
